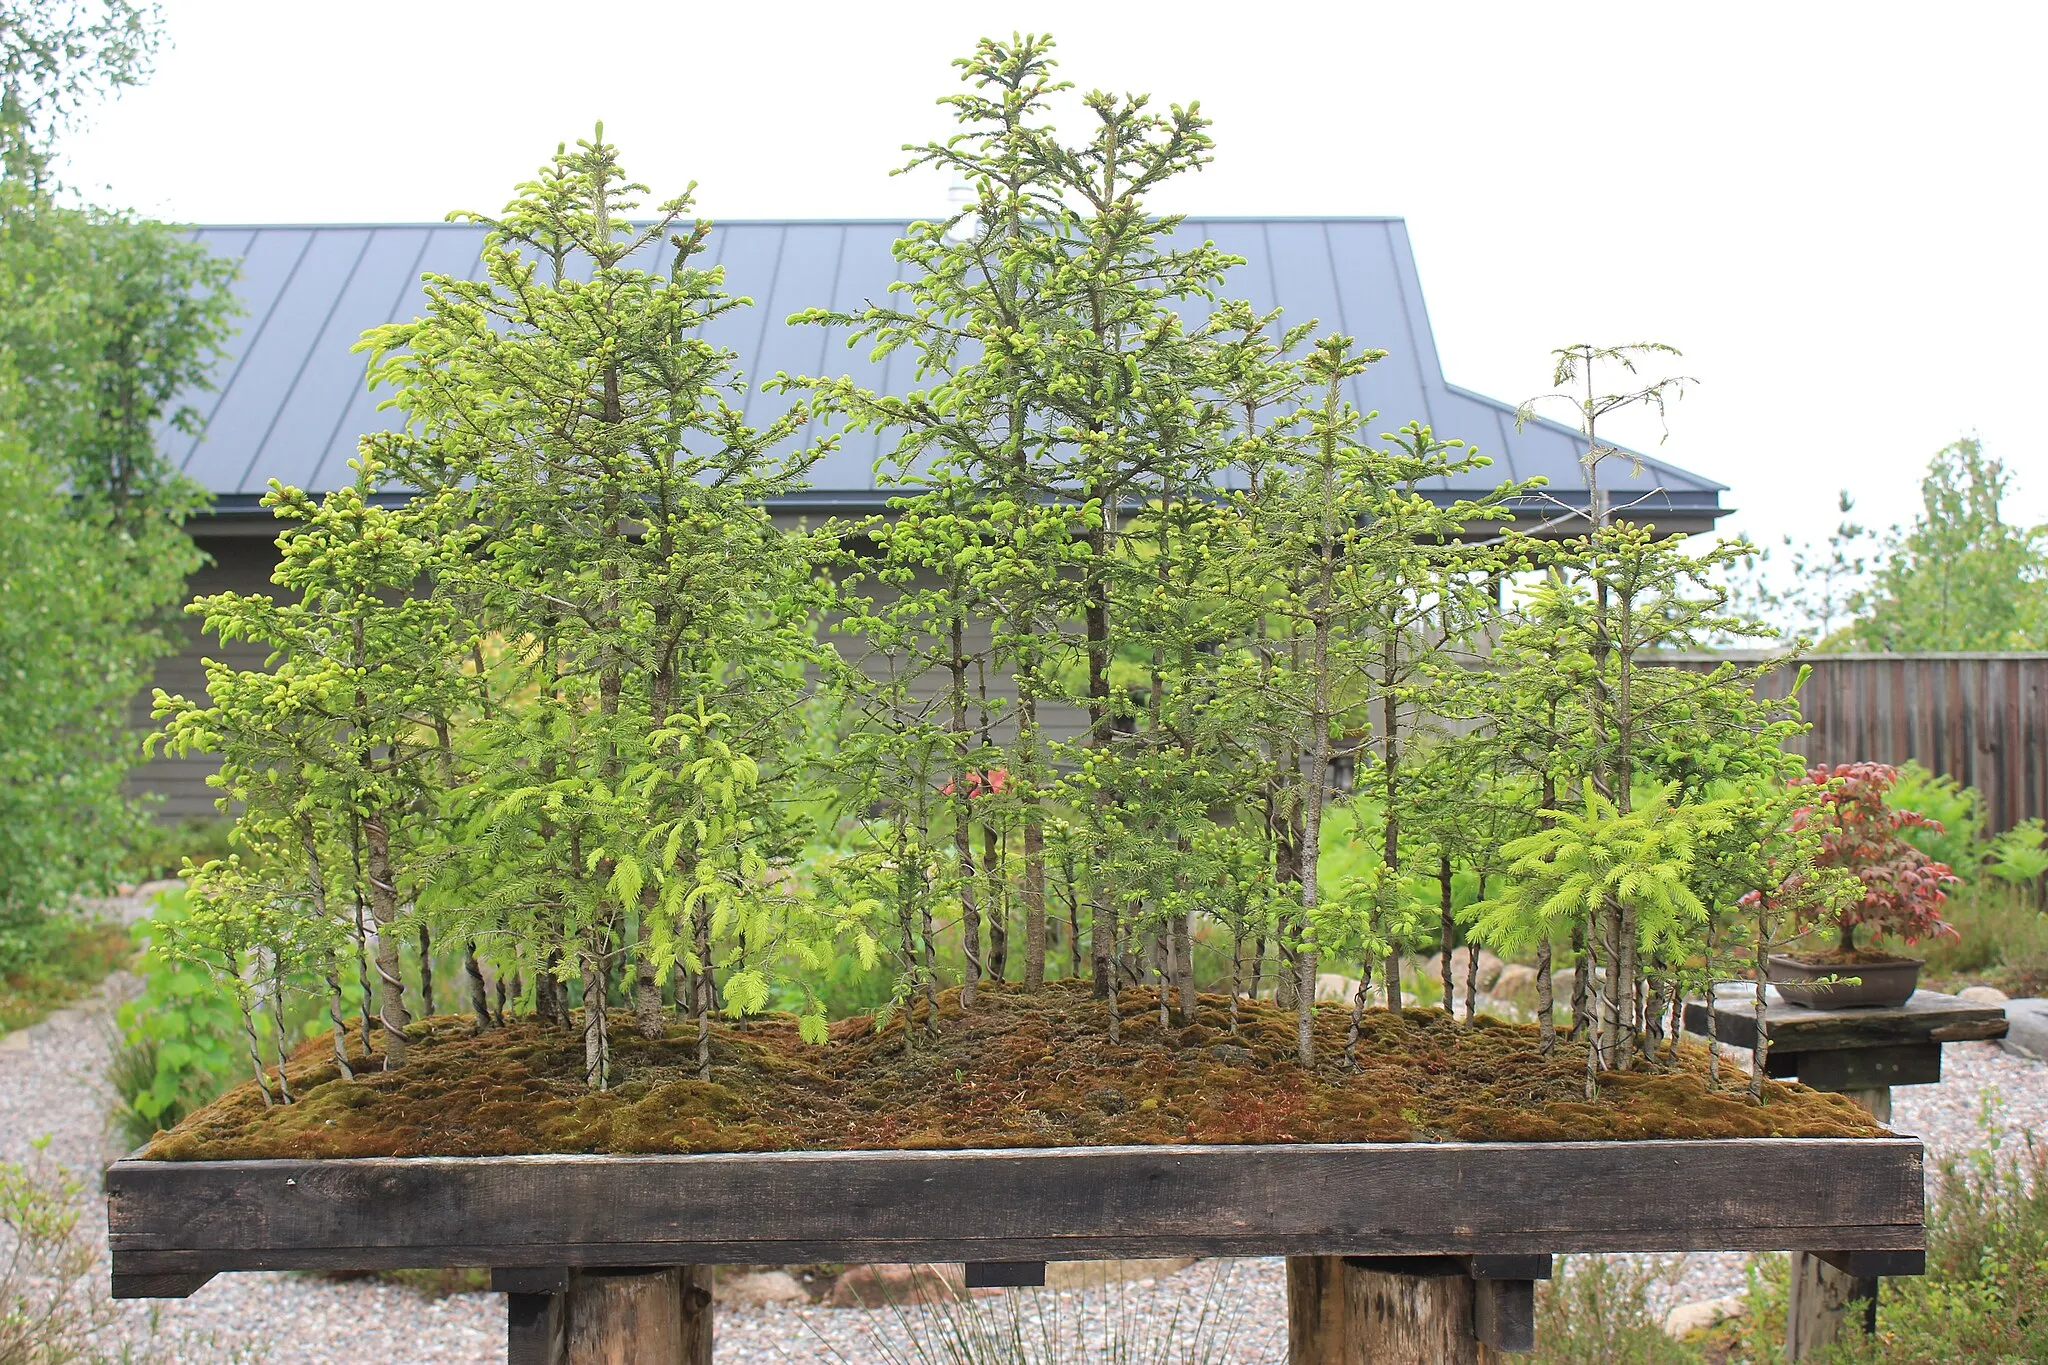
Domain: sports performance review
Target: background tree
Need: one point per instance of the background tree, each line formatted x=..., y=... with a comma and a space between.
x=1961, y=577
x=105, y=321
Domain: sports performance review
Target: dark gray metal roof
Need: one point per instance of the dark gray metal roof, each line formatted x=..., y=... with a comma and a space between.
x=289, y=401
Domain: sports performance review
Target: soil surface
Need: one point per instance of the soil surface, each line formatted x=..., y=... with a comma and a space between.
x=1016, y=1070
x=1848, y=957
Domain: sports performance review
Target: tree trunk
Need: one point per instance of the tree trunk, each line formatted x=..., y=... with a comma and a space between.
x=994, y=872
x=597, y=1031
x=1184, y=963
x=646, y=985
x=1034, y=897
x=427, y=1010
x=1448, y=930
x=963, y=824
x=704, y=995
x=479, y=991
x=384, y=913
x=1546, y=997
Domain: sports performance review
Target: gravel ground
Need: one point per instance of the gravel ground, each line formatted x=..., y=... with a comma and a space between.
x=51, y=1085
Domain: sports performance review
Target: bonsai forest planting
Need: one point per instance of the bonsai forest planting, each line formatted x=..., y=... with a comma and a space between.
x=592, y=804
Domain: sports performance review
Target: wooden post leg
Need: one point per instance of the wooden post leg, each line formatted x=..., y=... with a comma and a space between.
x=1826, y=1304
x=656, y=1315
x=1315, y=1311
x=1422, y=1310
x=533, y=1329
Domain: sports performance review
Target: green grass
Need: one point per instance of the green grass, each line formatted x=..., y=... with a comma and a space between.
x=50, y=964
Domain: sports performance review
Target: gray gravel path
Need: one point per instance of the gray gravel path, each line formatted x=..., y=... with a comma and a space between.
x=51, y=1084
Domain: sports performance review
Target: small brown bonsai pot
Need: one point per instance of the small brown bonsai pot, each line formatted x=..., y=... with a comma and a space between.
x=1886, y=981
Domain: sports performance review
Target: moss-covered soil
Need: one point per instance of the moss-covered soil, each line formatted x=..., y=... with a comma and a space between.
x=1017, y=1070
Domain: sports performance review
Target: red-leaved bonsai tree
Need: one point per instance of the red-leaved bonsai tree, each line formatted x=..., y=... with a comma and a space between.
x=1863, y=833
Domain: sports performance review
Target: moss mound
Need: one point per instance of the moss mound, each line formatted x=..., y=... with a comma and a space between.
x=1017, y=1070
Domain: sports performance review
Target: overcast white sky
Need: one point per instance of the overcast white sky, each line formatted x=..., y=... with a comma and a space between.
x=1834, y=209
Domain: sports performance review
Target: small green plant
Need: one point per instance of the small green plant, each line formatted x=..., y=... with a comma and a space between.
x=1984, y=1298
x=178, y=1036
x=1118, y=1324
x=1598, y=1312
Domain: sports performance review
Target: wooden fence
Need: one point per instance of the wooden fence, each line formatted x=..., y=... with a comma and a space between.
x=1980, y=718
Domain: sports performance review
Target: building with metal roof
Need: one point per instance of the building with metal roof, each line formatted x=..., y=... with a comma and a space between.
x=288, y=400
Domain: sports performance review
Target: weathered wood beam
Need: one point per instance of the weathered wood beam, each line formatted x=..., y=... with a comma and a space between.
x=1017, y=1205
x=1003, y=1274
x=1862, y=1068
x=180, y=1284
x=1929, y=1016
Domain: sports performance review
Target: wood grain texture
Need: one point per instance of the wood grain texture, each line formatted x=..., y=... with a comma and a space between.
x=1315, y=1311
x=1504, y=1314
x=647, y=1316
x=1795, y=1028
x=1826, y=1305
x=1863, y=1068
x=1014, y=1205
x=1411, y=1320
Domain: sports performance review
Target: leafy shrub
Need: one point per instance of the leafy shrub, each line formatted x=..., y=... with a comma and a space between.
x=2019, y=858
x=158, y=851
x=1957, y=813
x=51, y=961
x=1597, y=1311
x=1984, y=1298
x=178, y=1037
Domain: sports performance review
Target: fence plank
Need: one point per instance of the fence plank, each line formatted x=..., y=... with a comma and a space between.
x=1980, y=718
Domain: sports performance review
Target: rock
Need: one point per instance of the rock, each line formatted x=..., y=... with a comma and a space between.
x=1515, y=982
x=1095, y=1274
x=1489, y=969
x=1332, y=986
x=1688, y=1318
x=1232, y=1054
x=879, y=1286
x=2026, y=1029
x=1982, y=995
x=759, y=1288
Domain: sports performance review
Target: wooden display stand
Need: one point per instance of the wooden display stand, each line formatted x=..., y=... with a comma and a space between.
x=1400, y=1253
x=1861, y=1053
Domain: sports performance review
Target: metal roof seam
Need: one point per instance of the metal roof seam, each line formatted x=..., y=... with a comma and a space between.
x=298, y=375
x=220, y=395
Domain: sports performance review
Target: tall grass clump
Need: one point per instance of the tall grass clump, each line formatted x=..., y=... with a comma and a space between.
x=1119, y=1324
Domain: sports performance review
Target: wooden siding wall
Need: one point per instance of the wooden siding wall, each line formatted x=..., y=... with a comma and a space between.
x=1980, y=718
x=240, y=564
x=243, y=564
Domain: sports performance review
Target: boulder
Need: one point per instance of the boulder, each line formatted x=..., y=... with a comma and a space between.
x=1332, y=986
x=879, y=1286
x=2026, y=1029
x=1688, y=1318
x=1489, y=969
x=759, y=1288
x=1515, y=982
x=1982, y=995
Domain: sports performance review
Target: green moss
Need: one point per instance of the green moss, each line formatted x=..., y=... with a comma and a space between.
x=1017, y=1070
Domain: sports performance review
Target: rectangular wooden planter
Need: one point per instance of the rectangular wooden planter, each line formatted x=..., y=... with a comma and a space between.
x=172, y=1225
